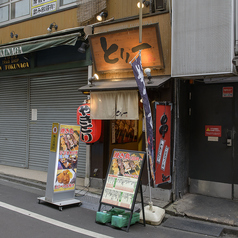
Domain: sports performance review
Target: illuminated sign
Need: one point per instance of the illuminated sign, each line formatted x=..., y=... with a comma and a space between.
x=114, y=50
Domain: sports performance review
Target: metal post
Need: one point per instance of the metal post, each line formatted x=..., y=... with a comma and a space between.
x=140, y=22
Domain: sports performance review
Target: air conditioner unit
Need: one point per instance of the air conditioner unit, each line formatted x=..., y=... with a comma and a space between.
x=160, y=5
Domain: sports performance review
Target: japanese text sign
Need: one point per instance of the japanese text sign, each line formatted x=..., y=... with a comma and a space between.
x=122, y=180
x=114, y=50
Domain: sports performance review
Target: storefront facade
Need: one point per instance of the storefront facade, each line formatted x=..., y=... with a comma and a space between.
x=121, y=110
x=37, y=89
x=205, y=70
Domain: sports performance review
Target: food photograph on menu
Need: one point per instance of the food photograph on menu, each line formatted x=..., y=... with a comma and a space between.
x=122, y=179
x=124, y=131
x=68, y=158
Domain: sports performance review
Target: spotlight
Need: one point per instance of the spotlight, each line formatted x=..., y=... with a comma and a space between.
x=52, y=25
x=90, y=80
x=147, y=71
x=144, y=3
x=12, y=34
x=82, y=48
x=101, y=15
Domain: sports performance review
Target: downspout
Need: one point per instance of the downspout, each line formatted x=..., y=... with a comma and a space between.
x=175, y=116
x=88, y=146
x=235, y=27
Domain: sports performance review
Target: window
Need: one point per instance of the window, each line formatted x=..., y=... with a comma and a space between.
x=20, y=8
x=10, y=9
x=4, y=13
x=13, y=10
x=66, y=2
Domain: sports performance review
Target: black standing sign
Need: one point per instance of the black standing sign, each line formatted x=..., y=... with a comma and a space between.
x=123, y=180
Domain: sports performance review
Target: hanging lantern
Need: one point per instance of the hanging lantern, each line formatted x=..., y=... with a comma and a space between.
x=90, y=129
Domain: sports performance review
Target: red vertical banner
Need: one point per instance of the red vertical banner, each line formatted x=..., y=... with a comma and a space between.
x=162, y=143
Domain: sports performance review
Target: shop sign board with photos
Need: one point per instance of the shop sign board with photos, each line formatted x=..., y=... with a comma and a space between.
x=115, y=49
x=62, y=167
x=123, y=180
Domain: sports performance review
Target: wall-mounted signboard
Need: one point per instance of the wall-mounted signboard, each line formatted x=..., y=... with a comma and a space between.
x=39, y=7
x=14, y=62
x=114, y=50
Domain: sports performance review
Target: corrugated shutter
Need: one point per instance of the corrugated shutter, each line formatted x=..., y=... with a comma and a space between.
x=56, y=98
x=13, y=121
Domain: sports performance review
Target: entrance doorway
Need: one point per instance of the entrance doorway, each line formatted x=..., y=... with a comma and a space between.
x=213, y=161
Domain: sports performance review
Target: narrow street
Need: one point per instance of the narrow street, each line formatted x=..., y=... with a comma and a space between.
x=22, y=216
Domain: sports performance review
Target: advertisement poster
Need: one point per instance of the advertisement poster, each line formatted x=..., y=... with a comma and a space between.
x=67, y=158
x=122, y=179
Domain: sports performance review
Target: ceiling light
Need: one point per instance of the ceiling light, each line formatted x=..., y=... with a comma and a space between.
x=101, y=15
x=52, y=25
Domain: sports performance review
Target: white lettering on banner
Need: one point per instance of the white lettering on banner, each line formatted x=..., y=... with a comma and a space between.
x=11, y=51
x=141, y=77
x=166, y=151
x=160, y=150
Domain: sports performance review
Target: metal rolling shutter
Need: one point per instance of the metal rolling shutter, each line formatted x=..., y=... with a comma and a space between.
x=13, y=121
x=56, y=98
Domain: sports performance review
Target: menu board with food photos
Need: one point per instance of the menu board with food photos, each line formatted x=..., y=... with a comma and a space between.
x=62, y=166
x=123, y=178
x=67, y=158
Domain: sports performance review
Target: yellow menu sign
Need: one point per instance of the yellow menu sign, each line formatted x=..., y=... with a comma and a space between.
x=54, y=137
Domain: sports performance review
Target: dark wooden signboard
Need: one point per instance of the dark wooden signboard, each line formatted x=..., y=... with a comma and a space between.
x=123, y=180
x=114, y=50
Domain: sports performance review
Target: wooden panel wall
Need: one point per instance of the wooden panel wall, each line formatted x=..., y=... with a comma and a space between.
x=124, y=8
x=67, y=19
x=38, y=26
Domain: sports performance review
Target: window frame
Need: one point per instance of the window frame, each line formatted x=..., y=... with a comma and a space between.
x=29, y=16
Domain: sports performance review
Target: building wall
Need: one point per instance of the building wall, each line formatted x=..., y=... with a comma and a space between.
x=38, y=26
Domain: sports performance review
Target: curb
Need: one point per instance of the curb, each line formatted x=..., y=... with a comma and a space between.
x=28, y=182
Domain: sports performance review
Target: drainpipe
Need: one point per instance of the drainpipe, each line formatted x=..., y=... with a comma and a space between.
x=88, y=146
x=236, y=26
x=176, y=116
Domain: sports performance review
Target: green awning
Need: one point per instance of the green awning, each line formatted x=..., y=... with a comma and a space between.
x=30, y=46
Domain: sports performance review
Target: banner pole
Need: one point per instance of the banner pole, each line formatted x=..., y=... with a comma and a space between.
x=147, y=157
x=140, y=22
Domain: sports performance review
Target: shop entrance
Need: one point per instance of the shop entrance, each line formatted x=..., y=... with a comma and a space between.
x=213, y=160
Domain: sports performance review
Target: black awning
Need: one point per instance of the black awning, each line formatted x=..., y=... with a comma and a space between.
x=123, y=84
